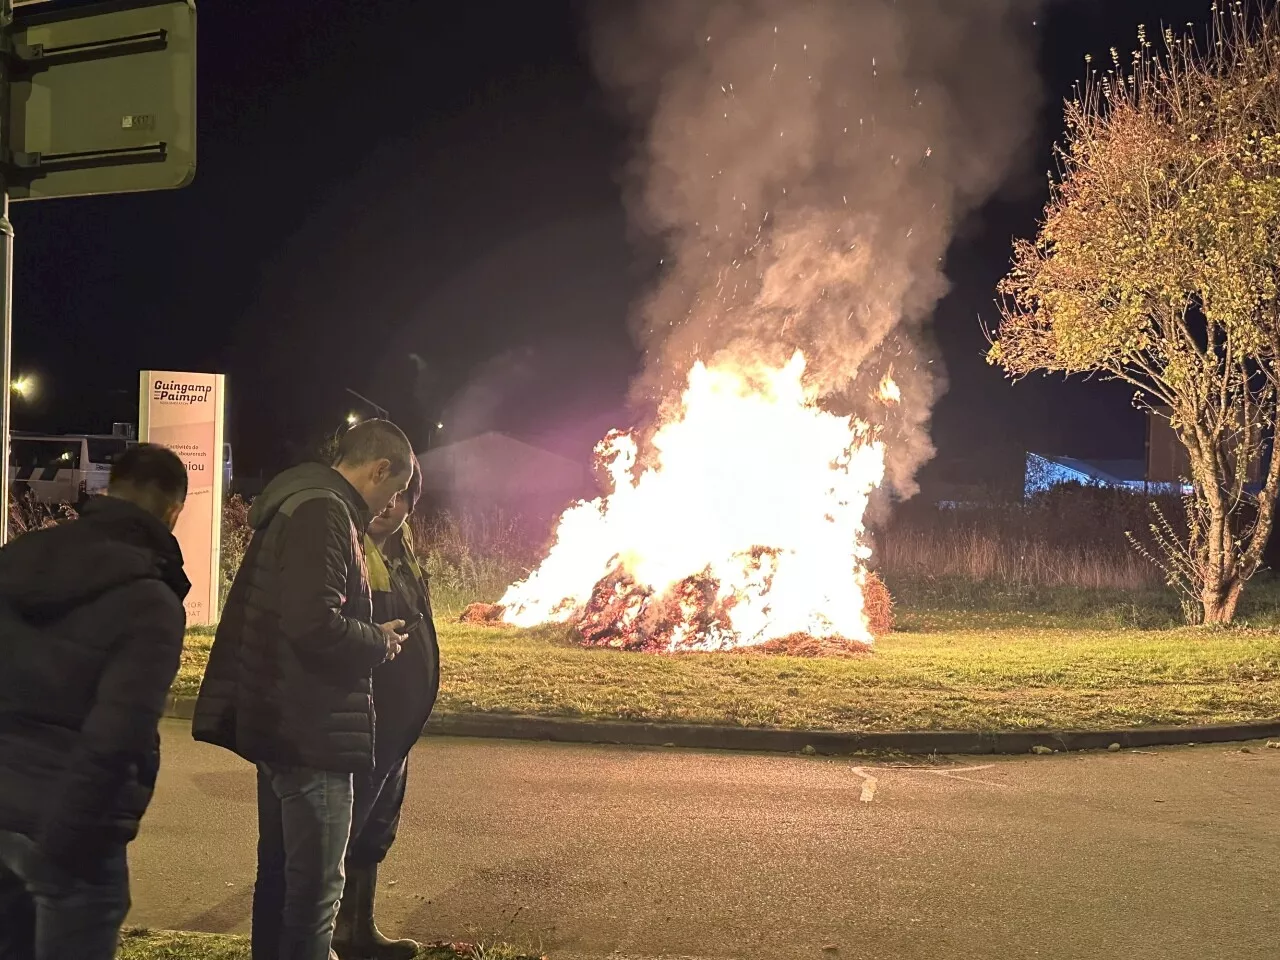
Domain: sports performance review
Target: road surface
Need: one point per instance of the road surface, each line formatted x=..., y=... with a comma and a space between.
x=641, y=854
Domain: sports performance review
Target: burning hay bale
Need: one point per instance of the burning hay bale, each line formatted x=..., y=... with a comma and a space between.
x=691, y=616
x=485, y=614
x=705, y=547
x=806, y=645
x=878, y=605
x=623, y=615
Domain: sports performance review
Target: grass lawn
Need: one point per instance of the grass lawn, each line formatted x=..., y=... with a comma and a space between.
x=1021, y=663
x=170, y=945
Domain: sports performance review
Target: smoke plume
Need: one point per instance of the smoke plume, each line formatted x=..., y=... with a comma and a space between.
x=805, y=163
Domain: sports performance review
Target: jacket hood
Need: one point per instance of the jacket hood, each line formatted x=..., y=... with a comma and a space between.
x=112, y=543
x=307, y=476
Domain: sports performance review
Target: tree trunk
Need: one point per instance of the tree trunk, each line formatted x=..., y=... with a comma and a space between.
x=1219, y=603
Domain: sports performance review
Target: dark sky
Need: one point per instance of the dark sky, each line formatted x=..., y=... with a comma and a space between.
x=404, y=177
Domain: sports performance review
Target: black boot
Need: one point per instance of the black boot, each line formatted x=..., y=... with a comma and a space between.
x=356, y=936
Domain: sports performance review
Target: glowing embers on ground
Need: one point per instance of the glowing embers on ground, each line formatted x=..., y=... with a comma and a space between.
x=746, y=528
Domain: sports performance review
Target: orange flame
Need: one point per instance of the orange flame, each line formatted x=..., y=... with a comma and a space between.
x=890, y=392
x=752, y=485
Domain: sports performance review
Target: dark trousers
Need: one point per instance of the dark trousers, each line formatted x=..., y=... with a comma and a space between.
x=378, y=799
x=46, y=914
x=304, y=822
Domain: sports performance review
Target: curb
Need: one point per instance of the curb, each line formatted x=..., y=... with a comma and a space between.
x=500, y=726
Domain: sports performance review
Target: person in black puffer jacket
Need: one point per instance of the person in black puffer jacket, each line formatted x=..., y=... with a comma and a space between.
x=91, y=628
x=288, y=686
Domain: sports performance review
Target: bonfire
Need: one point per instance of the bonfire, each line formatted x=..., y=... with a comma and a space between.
x=743, y=531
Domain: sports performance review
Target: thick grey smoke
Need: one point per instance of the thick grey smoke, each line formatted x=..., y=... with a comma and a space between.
x=805, y=163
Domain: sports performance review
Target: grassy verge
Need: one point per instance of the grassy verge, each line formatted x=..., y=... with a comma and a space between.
x=171, y=945
x=1011, y=615
x=1003, y=668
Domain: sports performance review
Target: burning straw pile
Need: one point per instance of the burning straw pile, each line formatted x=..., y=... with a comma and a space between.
x=743, y=527
x=622, y=615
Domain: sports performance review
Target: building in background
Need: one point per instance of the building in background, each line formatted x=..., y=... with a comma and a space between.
x=1166, y=468
x=1045, y=472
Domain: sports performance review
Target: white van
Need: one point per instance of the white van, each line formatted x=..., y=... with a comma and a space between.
x=63, y=469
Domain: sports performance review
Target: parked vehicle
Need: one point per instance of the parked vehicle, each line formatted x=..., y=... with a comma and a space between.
x=61, y=469
x=69, y=468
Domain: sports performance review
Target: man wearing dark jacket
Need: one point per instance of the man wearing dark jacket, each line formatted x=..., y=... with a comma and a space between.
x=91, y=627
x=288, y=685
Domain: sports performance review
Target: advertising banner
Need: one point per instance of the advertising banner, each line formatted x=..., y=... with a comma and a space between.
x=184, y=412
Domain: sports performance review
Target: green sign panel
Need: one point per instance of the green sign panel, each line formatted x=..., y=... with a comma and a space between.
x=101, y=99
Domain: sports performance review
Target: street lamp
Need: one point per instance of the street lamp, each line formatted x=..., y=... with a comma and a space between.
x=24, y=386
x=379, y=410
x=352, y=419
x=431, y=434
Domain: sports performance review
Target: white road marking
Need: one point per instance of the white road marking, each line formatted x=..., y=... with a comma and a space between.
x=950, y=773
x=868, y=784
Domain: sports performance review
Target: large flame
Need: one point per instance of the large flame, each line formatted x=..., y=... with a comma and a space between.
x=752, y=512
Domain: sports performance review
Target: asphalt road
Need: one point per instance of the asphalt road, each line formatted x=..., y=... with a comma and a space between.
x=597, y=852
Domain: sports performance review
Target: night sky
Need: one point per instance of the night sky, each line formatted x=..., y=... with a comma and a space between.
x=384, y=179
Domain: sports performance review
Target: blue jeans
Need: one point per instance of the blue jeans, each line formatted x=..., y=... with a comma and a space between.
x=47, y=914
x=304, y=822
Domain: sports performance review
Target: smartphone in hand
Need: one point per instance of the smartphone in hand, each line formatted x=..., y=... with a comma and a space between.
x=412, y=622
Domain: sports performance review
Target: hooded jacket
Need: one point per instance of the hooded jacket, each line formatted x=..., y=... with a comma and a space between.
x=289, y=674
x=91, y=629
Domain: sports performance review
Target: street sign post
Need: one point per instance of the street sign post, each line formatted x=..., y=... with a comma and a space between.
x=94, y=99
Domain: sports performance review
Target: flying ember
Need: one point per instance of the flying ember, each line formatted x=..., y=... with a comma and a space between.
x=746, y=527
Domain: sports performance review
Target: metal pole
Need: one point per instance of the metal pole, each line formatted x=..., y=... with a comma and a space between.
x=6, y=350
x=6, y=280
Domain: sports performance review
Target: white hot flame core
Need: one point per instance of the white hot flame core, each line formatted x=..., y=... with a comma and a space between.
x=751, y=462
x=890, y=392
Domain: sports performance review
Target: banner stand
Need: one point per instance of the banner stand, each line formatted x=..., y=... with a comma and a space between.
x=185, y=412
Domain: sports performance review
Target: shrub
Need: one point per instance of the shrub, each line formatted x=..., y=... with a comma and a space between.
x=474, y=556
x=236, y=534
x=26, y=513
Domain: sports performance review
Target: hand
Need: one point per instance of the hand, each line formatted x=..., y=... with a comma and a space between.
x=392, y=632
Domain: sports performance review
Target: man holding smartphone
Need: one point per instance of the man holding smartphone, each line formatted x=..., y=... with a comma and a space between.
x=290, y=678
x=404, y=691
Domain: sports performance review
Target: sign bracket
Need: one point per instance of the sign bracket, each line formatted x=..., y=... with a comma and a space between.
x=34, y=163
x=37, y=56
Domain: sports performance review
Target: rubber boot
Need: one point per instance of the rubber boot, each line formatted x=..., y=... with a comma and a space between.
x=355, y=935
